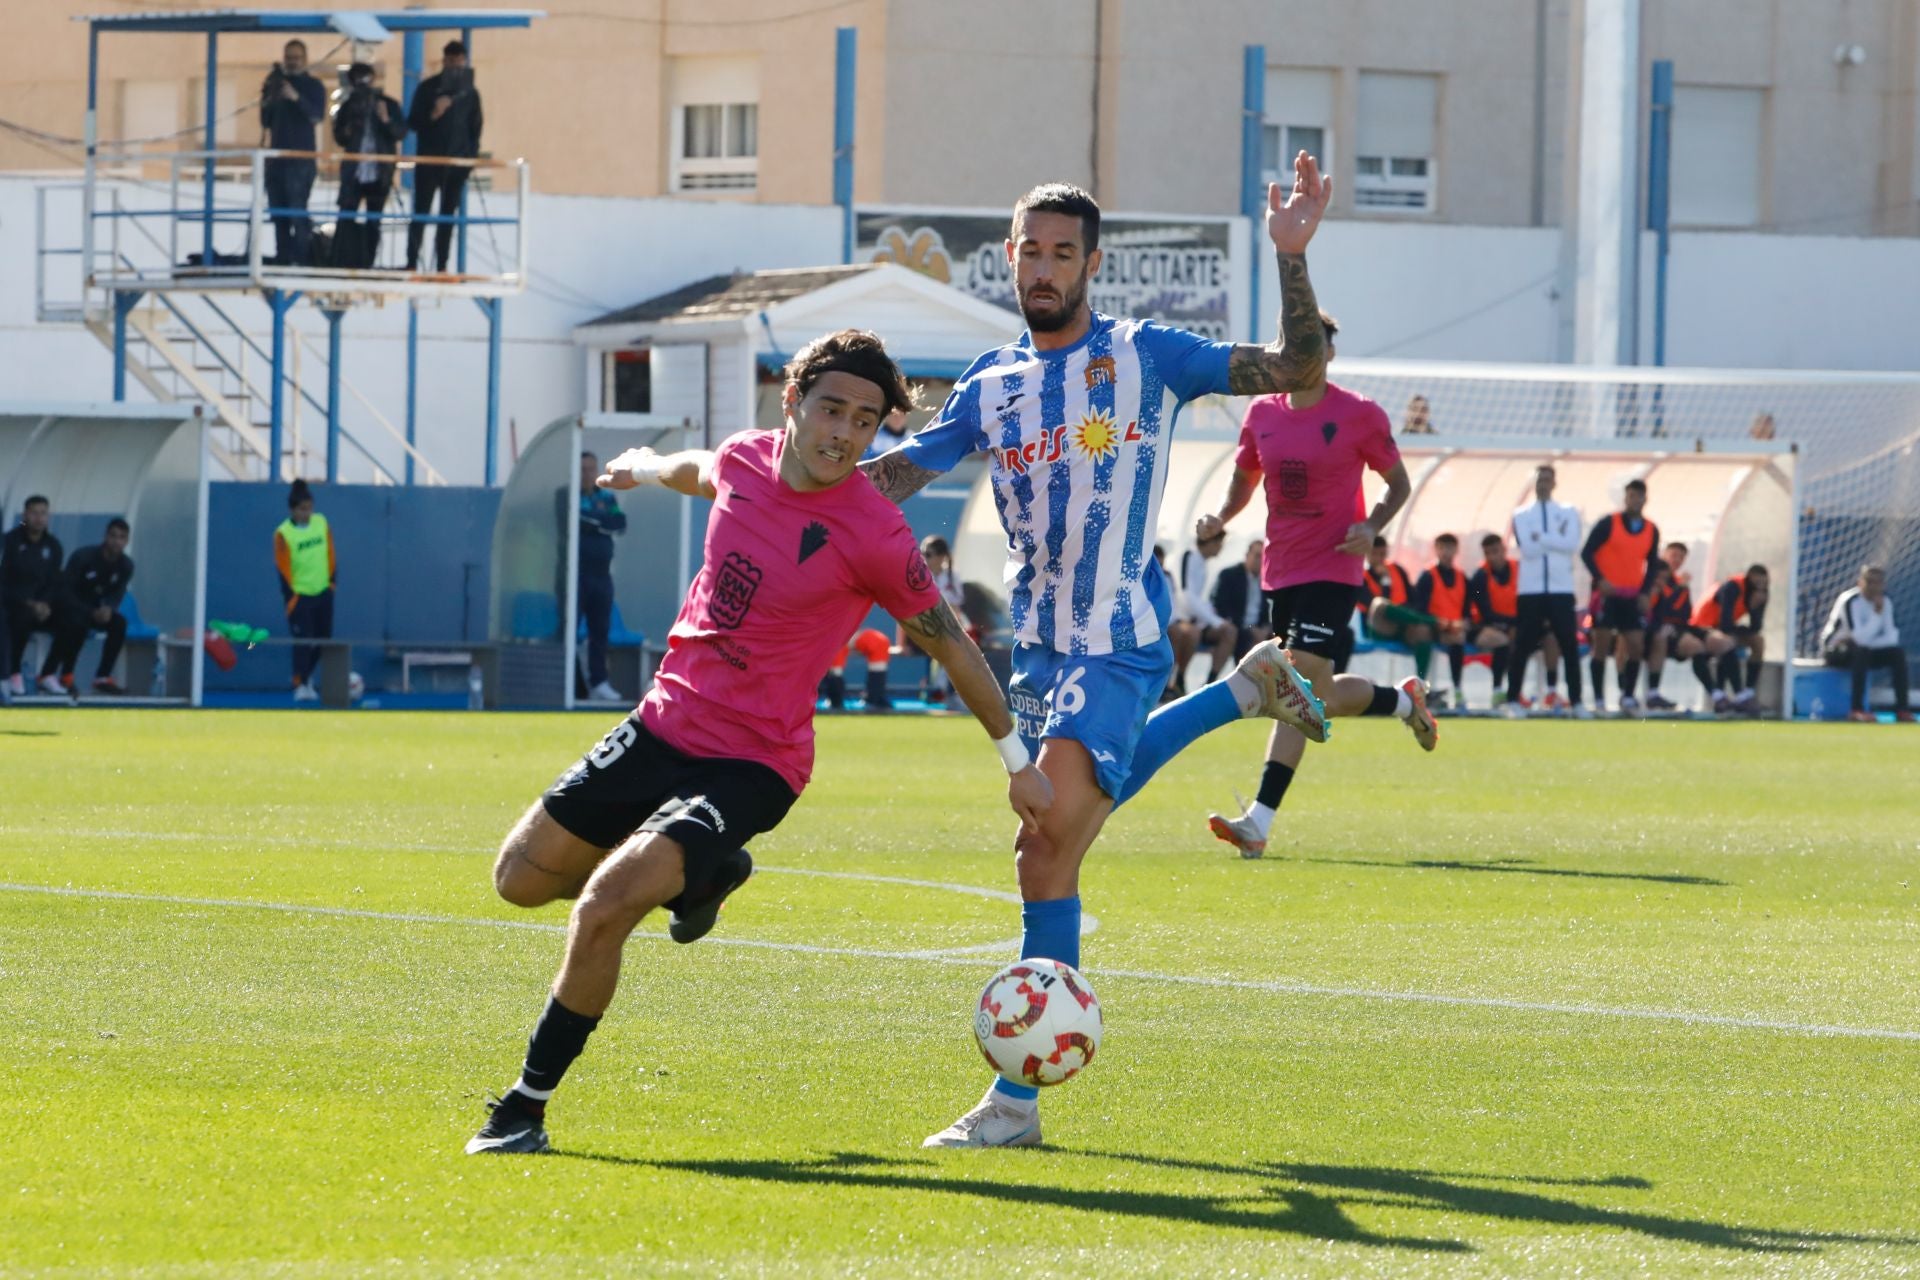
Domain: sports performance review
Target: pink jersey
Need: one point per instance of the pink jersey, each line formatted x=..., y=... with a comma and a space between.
x=1312, y=460
x=788, y=576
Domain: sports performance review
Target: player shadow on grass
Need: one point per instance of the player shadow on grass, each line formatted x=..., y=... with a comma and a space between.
x=1461, y=1193
x=1282, y=1209
x=1518, y=866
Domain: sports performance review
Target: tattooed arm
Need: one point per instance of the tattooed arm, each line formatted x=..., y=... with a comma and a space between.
x=939, y=633
x=896, y=478
x=1299, y=359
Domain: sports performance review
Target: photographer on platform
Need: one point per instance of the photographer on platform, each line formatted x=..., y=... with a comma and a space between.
x=446, y=121
x=291, y=104
x=367, y=122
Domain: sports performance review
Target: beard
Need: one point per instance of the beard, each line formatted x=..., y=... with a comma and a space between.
x=1071, y=298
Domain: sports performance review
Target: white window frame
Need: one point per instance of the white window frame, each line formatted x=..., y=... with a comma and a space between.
x=736, y=174
x=729, y=85
x=1397, y=184
x=1286, y=116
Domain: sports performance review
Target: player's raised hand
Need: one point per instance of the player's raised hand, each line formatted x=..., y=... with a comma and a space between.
x=1291, y=222
x=1359, y=539
x=631, y=469
x=1030, y=792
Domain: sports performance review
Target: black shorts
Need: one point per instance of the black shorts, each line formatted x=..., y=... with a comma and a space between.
x=1310, y=617
x=632, y=781
x=1620, y=613
x=1509, y=625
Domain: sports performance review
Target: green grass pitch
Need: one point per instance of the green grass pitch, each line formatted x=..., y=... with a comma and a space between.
x=1558, y=1000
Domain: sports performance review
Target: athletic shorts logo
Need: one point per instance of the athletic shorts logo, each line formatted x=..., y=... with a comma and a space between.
x=919, y=577
x=733, y=589
x=688, y=804
x=1293, y=480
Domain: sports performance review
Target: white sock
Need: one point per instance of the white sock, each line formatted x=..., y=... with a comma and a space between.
x=1026, y=1106
x=526, y=1090
x=1246, y=693
x=1404, y=707
x=1262, y=816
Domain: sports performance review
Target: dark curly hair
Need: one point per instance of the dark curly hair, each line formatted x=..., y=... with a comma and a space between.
x=1062, y=197
x=854, y=351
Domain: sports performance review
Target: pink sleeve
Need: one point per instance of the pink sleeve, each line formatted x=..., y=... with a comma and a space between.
x=1379, y=450
x=1247, y=457
x=896, y=574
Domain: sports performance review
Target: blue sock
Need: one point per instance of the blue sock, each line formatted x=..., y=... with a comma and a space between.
x=1173, y=728
x=1051, y=932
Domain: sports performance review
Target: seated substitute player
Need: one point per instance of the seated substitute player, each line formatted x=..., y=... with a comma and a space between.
x=1312, y=448
x=1076, y=416
x=798, y=549
x=1726, y=622
x=91, y=589
x=1195, y=621
x=1669, y=617
x=1862, y=635
x=1445, y=594
x=1621, y=553
x=1390, y=613
x=1493, y=592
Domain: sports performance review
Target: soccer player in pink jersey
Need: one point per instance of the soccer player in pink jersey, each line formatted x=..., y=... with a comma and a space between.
x=1310, y=448
x=798, y=549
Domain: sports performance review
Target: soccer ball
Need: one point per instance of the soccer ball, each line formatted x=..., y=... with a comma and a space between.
x=356, y=687
x=1038, y=1022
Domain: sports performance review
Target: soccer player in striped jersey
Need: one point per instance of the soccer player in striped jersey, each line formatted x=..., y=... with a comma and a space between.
x=1076, y=416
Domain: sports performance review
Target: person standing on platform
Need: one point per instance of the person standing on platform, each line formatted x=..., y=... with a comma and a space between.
x=303, y=553
x=367, y=123
x=292, y=102
x=446, y=120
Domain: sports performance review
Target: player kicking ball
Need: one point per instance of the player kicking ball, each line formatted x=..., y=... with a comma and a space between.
x=798, y=549
x=1076, y=417
x=1312, y=446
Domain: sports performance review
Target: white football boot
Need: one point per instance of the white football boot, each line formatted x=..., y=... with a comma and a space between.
x=1288, y=696
x=994, y=1123
x=1425, y=731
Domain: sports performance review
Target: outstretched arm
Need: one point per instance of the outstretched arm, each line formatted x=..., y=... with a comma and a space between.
x=690, y=471
x=896, y=478
x=1298, y=359
x=939, y=633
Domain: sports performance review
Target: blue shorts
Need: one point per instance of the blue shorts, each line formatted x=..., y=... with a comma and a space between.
x=1101, y=701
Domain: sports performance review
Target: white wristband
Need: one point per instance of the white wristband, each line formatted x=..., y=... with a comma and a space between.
x=1013, y=752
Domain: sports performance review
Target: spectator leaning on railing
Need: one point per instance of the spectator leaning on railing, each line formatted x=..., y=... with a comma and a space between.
x=1861, y=635
x=367, y=123
x=291, y=104
x=446, y=121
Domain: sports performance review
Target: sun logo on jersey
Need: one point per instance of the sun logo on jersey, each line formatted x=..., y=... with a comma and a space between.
x=1096, y=436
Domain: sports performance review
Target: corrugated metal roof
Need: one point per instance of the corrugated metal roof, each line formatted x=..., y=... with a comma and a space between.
x=720, y=297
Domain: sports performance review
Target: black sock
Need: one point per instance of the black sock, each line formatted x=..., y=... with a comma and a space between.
x=556, y=1041
x=1753, y=673
x=1703, y=672
x=1629, y=678
x=1730, y=671
x=1386, y=701
x=1598, y=668
x=834, y=690
x=1274, y=780
x=1653, y=678
x=1500, y=667
x=877, y=688
x=1456, y=663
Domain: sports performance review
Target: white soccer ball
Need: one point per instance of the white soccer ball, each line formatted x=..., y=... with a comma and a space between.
x=1038, y=1022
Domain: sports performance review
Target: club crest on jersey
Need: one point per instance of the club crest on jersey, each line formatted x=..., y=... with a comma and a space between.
x=733, y=588
x=1293, y=480
x=1100, y=372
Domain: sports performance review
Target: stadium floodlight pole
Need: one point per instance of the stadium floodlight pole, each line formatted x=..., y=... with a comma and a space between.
x=845, y=53
x=1659, y=197
x=1253, y=192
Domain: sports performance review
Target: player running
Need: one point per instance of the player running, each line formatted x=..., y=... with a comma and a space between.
x=1077, y=415
x=798, y=549
x=1311, y=446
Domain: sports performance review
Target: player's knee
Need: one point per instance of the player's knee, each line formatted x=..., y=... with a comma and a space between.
x=607, y=915
x=514, y=883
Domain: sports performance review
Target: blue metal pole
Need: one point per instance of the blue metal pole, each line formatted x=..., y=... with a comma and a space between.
x=334, y=316
x=1659, y=197
x=413, y=379
x=92, y=139
x=845, y=53
x=466, y=38
x=1253, y=192
x=213, y=80
x=277, y=398
x=413, y=49
x=122, y=303
x=492, y=307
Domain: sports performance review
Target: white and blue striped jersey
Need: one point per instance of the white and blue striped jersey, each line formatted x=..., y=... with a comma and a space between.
x=1078, y=439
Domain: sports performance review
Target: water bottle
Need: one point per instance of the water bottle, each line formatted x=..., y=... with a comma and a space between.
x=1817, y=710
x=476, y=689
x=159, y=689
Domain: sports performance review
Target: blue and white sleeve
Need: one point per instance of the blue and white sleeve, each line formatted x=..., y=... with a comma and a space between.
x=952, y=435
x=1190, y=365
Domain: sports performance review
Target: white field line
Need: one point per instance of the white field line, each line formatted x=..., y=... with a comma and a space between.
x=1311, y=990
